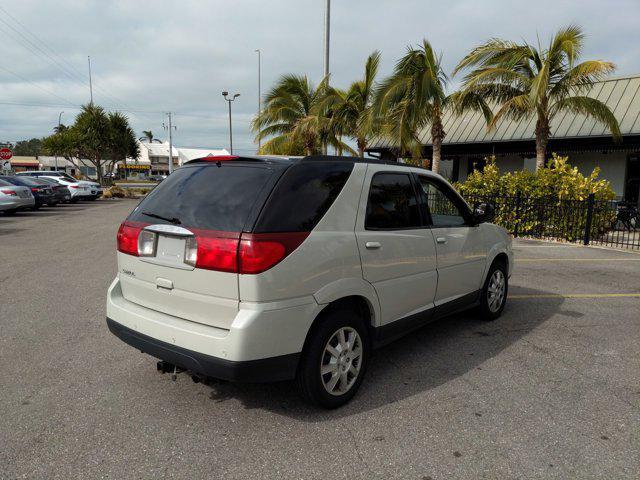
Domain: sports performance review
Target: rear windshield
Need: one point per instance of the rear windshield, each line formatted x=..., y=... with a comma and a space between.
x=5, y=184
x=205, y=196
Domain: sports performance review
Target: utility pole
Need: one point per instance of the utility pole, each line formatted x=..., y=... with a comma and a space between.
x=229, y=100
x=327, y=24
x=90, y=83
x=59, y=120
x=170, y=127
x=259, y=98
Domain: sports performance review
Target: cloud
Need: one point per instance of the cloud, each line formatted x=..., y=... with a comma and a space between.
x=153, y=57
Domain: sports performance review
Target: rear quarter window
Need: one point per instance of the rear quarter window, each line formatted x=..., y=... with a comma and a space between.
x=302, y=196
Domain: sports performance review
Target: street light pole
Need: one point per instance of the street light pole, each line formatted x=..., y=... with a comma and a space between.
x=229, y=100
x=259, y=98
x=327, y=24
x=59, y=120
x=327, y=29
x=90, y=82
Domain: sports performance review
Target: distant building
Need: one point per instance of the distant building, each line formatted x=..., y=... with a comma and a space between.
x=587, y=143
x=154, y=158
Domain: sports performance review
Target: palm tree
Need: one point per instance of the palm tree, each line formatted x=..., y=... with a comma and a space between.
x=352, y=112
x=412, y=98
x=296, y=118
x=522, y=80
x=148, y=136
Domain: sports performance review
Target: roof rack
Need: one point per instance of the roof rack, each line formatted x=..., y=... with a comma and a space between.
x=309, y=158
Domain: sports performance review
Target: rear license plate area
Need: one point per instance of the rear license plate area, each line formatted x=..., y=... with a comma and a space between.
x=169, y=252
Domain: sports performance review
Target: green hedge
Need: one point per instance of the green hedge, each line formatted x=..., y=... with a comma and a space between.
x=549, y=203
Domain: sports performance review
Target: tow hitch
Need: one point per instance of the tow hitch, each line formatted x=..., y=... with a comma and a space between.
x=166, y=367
x=174, y=370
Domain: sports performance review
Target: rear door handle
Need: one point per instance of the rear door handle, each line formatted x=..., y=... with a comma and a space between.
x=441, y=240
x=372, y=245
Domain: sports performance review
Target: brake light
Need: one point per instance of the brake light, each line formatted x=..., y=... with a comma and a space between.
x=261, y=251
x=128, y=237
x=35, y=189
x=219, y=158
x=73, y=186
x=8, y=192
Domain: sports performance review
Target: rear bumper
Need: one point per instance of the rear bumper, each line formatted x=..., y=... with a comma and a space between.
x=262, y=343
x=263, y=370
x=17, y=203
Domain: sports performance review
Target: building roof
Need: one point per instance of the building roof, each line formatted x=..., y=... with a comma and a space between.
x=621, y=95
x=187, y=154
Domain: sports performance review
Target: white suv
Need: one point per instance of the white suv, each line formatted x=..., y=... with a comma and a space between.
x=266, y=269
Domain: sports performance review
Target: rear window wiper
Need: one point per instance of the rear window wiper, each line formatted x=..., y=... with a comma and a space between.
x=174, y=220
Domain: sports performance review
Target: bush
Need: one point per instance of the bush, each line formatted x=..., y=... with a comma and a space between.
x=559, y=181
x=114, y=192
x=551, y=202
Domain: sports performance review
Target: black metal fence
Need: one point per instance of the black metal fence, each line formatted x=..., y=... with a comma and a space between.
x=587, y=221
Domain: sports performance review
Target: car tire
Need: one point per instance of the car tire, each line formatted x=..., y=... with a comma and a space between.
x=341, y=331
x=493, y=296
x=75, y=199
x=35, y=207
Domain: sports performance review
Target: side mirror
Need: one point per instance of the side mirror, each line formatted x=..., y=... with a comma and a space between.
x=483, y=212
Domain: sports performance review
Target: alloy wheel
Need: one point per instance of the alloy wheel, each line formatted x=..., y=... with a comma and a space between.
x=341, y=361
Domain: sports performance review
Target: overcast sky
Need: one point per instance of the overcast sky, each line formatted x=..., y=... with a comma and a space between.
x=152, y=57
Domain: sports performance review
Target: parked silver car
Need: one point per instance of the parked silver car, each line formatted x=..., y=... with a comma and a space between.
x=14, y=198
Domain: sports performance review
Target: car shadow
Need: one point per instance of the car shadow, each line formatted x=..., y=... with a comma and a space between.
x=431, y=356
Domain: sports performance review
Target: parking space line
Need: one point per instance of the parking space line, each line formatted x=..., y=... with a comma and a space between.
x=577, y=259
x=575, y=295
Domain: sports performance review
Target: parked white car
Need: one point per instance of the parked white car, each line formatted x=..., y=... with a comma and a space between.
x=15, y=197
x=256, y=269
x=80, y=189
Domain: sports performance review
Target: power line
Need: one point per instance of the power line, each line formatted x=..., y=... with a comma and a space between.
x=38, y=47
x=36, y=85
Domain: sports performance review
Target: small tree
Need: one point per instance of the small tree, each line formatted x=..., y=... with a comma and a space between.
x=97, y=137
x=122, y=139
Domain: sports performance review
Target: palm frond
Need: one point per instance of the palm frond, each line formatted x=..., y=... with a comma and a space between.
x=590, y=107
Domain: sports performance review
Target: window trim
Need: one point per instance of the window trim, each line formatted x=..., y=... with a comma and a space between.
x=416, y=193
x=450, y=194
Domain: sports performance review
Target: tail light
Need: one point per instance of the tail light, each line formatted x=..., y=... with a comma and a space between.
x=247, y=253
x=35, y=189
x=128, y=237
x=73, y=186
x=8, y=192
x=261, y=251
x=213, y=250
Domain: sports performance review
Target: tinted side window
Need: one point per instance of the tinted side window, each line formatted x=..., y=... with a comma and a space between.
x=392, y=203
x=302, y=196
x=442, y=209
x=205, y=196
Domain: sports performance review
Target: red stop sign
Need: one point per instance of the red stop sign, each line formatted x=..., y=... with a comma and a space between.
x=5, y=154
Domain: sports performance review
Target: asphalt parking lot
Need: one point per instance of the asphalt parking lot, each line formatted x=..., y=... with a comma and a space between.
x=550, y=390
